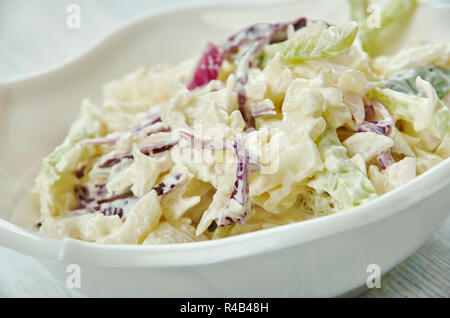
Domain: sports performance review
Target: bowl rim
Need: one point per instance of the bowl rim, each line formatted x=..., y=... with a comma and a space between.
x=70, y=250
x=206, y=252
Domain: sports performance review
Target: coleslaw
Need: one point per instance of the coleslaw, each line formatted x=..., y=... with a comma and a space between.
x=279, y=123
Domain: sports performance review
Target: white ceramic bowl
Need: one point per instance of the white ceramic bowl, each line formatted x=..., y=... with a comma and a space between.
x=321, y=257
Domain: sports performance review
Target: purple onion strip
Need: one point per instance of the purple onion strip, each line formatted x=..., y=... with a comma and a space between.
x=147, y=150
x=263, y=108
x=240, y=191
x=200, y=143
x=111, y=139
x=385, y=159
x=169, y=184
x=210, y=62
x=382, y=127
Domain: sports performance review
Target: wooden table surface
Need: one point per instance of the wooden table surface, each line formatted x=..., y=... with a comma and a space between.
x=425, y=274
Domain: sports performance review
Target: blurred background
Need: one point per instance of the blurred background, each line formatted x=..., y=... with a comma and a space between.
x=35, y=35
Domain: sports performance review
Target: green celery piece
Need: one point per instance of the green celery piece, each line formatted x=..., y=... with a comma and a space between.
x=314, y=44
x=56, y=177
x=408, y=107
x=77, y=133
x=394, y=14
x=358, y=11
x=405, y=81
x=340, y=178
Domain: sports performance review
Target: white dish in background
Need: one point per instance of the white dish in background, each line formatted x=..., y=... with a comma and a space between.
x=321, y=257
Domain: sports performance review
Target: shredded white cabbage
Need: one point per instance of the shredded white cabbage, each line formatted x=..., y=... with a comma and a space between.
x=307, y=128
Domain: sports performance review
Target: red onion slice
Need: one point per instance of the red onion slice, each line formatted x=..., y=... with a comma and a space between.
x=208, y=66
x=263, y=108
x=169, y=184
x=147, y=150
x=210, y=63
x=240, y=191
x=111, y=139
x=385, y=159
x=382, y=127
